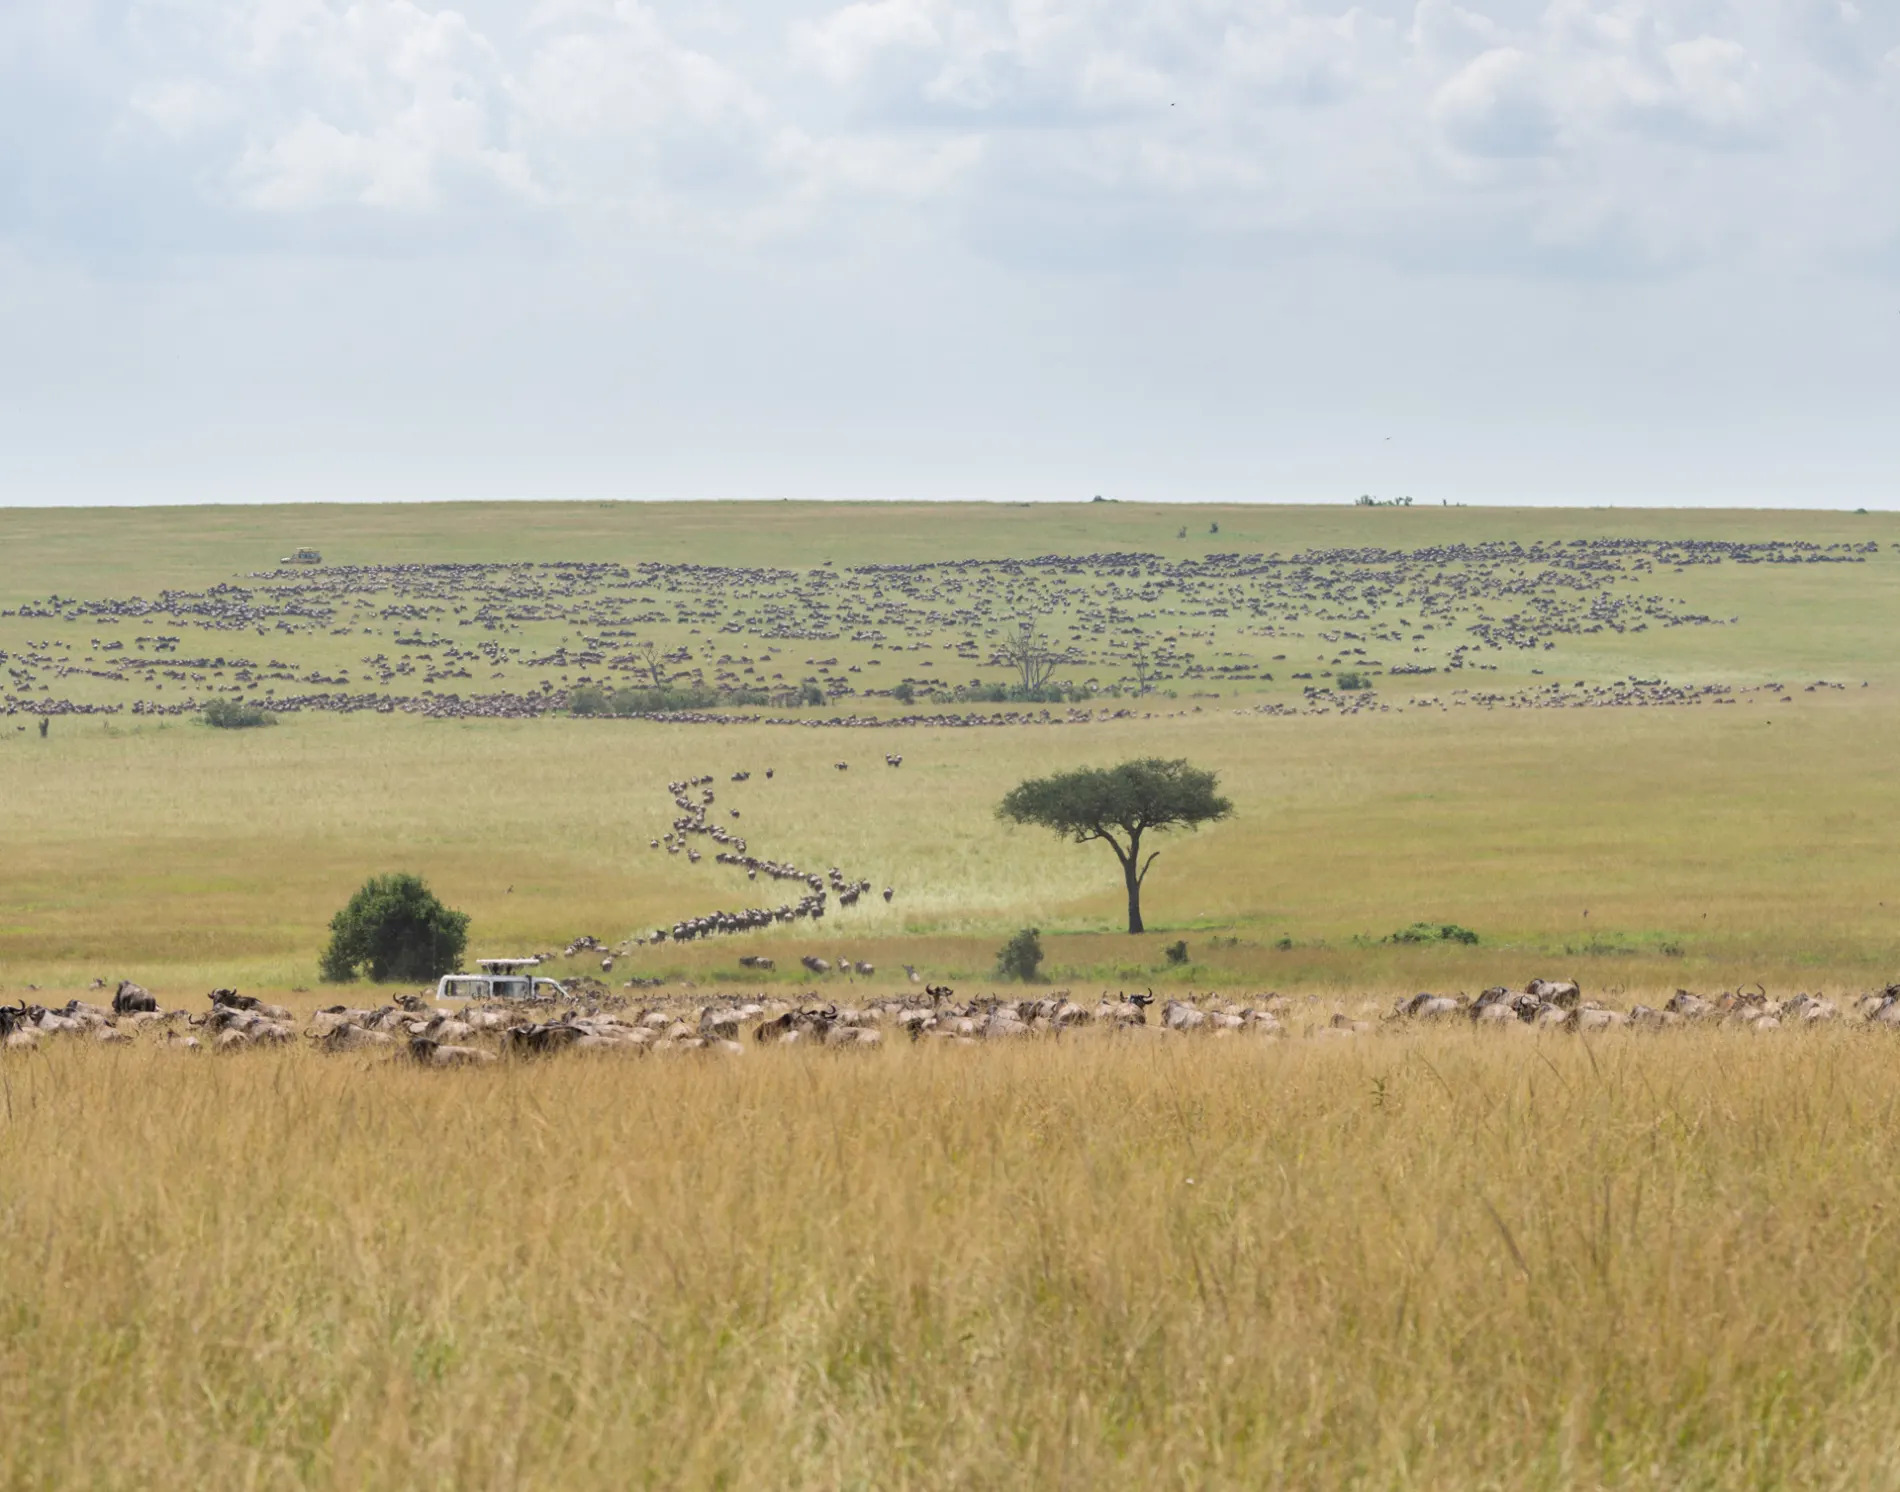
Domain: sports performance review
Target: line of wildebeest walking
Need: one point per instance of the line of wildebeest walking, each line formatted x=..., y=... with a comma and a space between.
x=413, y=1029
x=693, y=820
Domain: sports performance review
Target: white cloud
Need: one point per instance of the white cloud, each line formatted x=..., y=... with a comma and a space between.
x=1498, y=104
x=843, y=44
x=182, y=107
x=1382, y=123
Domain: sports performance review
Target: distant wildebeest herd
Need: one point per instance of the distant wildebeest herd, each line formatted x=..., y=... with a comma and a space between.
x=477, y=640
x=413, y=1030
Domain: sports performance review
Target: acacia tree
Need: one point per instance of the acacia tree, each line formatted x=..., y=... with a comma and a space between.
x=1118, y=805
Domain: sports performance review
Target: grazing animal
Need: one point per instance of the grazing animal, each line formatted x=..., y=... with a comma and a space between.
x=129, y=998
x=1563, y=993
x=436, y=1054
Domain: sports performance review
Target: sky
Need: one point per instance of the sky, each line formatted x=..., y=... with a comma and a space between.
x=1516, y=251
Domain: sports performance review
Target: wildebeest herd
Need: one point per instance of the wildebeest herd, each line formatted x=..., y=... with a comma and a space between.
x=693, y=821
x=412, y=1029
x=513, y=640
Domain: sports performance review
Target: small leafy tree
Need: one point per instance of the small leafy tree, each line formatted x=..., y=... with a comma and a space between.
x=1119, y=805
x=1021, y=957
x=396, y=929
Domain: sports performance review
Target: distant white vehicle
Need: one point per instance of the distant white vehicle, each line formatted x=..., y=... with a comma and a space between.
x=303, y=556
x=500, y=979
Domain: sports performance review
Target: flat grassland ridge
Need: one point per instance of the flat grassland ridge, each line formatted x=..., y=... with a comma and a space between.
x=1647, y=752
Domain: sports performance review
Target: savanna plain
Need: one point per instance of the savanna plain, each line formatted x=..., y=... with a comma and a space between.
x=1646, y=752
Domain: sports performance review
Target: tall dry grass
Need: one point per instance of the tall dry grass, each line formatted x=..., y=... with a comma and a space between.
x=1444, y=1260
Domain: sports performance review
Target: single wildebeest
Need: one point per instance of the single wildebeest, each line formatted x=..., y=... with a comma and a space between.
x=130, y=998
x=1563, y=993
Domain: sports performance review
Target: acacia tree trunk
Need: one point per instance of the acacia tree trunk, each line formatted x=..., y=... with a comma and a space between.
x=1133, y=872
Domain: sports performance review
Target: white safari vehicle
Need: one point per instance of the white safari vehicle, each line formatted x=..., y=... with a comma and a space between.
x=500, y=979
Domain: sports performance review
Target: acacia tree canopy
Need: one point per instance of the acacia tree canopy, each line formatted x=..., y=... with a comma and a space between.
x=1118, y=805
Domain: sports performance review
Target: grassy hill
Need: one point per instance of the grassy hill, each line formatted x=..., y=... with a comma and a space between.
x=1638, y=844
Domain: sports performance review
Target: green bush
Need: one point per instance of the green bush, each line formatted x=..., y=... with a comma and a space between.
x=1434, y=932
x=1177, y=952
x=397, y=930
x=1021, y=957
x=228, y=714
x=1352, y=680
x=904, y=693
x=593, y=699
x=1016, y=694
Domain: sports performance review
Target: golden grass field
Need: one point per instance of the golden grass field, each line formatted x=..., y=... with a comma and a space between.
x=1432, y=1259
x=1451, y=1260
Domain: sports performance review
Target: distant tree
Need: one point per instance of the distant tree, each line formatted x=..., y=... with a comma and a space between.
x=905, y=693
x=1141, y=663
x=1029, y=655
x=1119, y=805
x=652, y=662
x=397, y=930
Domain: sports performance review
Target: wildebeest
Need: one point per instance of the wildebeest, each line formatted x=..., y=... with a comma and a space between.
x=129, y=998
x=1563, y=993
